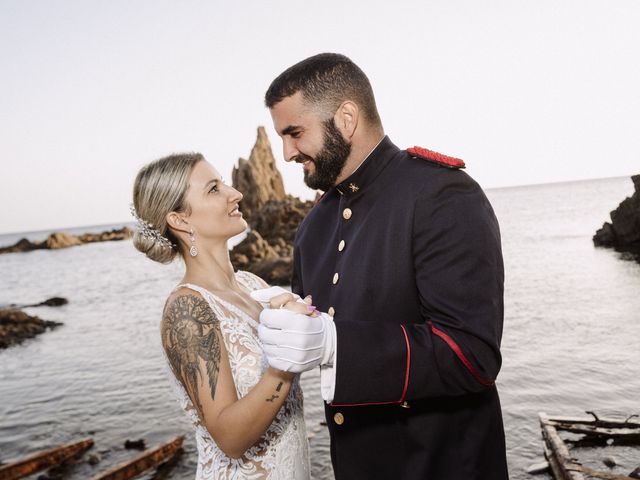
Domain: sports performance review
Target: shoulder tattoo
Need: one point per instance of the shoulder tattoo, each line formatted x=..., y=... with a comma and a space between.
x=189, y=339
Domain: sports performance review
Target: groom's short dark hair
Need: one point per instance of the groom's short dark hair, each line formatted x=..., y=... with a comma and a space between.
x=326, y=79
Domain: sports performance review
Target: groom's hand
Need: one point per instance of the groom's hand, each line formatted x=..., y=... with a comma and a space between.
x=294, y=342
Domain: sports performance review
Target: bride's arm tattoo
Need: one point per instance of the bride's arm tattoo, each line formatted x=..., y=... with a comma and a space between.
x=189, y=339
x=273, y=397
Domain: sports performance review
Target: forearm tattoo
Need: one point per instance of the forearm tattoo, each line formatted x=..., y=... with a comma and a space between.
x=189, y=338
x=273, y=397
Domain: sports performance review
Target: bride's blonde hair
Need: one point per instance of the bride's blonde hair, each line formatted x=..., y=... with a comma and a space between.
x=160, y=188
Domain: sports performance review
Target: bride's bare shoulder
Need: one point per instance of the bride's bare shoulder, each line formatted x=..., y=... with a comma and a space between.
x=181, y=291
x=185, y=307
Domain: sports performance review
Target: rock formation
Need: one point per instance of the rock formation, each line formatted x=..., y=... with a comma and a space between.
x=63, y=240
x=623, y=233
x=272, y=215
x=258, y=178
x=16, y=326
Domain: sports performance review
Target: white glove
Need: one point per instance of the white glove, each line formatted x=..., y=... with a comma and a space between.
x=294, y=342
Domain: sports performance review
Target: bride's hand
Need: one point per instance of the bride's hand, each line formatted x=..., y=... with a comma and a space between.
x=289, y=302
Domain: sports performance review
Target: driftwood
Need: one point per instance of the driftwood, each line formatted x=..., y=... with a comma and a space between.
x=43, y=459
x=557, y=453
x=600, y=431
x=148, y=459
x=596, y=430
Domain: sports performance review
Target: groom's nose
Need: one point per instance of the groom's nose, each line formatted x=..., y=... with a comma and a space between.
x=289, y=150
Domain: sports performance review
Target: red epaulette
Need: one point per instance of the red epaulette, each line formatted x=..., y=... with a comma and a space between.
x=437, y=158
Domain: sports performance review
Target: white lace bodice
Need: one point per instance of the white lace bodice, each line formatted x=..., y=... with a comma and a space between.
x=282, y=452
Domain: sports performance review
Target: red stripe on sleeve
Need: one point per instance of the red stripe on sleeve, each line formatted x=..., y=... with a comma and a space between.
x=458, y=351
x=406, y=377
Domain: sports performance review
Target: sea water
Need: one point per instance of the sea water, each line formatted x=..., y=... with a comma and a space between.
x=570, y=343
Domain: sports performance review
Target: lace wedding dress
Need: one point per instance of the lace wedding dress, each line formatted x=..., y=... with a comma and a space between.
x=282, y=452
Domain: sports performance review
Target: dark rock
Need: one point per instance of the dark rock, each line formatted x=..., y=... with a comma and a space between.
x=23, y=245
x=134, y=444
x=610, y=461
x=255, y=255
x=623, y=233
x=49, y=302
x=635, y=473
x=252, y=248
x=16, y=326
x=59, y=240
x=278, y=220
x=605, y=237
x=54, y=473
x=274, y=272
x=94, y=459
x=54, y=302
x=272, y=216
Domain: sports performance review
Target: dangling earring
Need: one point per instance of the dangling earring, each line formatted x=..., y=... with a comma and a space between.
x=193, y=251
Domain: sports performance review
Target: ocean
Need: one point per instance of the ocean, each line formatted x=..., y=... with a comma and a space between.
x=570, y=343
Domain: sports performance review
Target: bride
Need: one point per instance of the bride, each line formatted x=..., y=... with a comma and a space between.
x=247, y=416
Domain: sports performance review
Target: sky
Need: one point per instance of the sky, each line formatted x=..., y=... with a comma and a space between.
x=524, y=91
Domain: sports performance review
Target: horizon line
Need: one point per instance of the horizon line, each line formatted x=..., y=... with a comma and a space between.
x=125, y=223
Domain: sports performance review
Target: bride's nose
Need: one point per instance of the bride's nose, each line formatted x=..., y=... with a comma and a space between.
x=235, y=195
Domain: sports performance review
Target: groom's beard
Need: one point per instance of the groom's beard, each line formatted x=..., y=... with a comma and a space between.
x=330, y=161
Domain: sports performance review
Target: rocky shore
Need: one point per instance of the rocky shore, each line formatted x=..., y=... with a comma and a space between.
x=623, y=232
x=64, y=240
x=16, y=326
x=273, y=216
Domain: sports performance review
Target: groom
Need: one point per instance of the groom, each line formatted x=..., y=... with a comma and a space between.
x=403, y=253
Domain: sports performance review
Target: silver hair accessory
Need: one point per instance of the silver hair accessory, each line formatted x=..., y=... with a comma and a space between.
x=147, y=230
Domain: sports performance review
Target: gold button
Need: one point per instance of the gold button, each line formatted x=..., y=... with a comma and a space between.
x=338, y=418
x=341, y=245
x=331, y=312
x=336, y=277
x=346, y=213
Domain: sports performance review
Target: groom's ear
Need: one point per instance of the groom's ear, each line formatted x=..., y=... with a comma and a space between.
x=177, y=222
x=346, y=118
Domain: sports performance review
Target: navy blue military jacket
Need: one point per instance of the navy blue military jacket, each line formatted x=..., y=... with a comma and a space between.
x=406, y=255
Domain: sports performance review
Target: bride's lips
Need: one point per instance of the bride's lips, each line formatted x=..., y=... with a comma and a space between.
x=235, y=212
